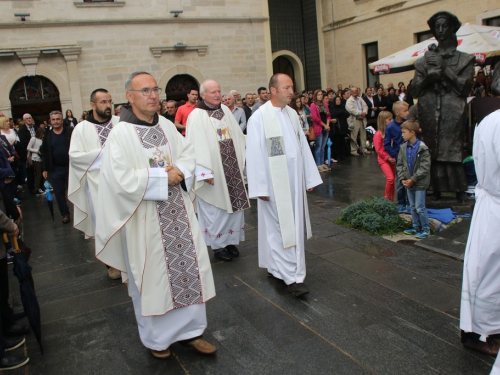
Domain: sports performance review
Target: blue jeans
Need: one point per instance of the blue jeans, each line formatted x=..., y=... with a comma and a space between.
x=319, y=148
x=401, y=194
x=419, y=217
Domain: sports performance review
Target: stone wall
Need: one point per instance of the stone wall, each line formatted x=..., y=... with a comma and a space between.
x=227, y=37
x=393, y=26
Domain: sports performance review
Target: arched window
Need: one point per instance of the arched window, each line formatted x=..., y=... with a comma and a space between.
x=179, y=85
x=36, y=95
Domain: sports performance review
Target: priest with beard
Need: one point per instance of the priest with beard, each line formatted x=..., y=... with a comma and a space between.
x=280, y=170
x=146, y=225
x=221, y=196
x=85, y=153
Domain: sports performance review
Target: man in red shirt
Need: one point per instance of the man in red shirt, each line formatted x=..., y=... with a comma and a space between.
x=184, y=110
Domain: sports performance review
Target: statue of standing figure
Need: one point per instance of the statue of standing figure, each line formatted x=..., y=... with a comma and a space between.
x=442, y=82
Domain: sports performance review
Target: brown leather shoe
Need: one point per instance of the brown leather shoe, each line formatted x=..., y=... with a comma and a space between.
x=489, y=347
x=298, y=290
x=202, y=346
x=65, y=219
x=160, y=354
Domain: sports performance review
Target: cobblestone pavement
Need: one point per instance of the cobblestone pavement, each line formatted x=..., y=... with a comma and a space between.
x=375, y=307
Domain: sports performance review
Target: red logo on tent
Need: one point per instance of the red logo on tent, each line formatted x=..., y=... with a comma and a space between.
x=382, y=68
x=480, y=57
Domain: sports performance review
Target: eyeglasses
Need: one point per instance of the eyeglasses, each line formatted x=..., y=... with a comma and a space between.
x=103, y=102
x=148, y=91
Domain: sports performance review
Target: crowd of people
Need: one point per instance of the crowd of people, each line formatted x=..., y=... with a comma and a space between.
x=341, y=123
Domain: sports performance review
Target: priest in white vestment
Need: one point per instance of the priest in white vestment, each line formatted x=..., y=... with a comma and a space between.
x=280, y=168
x=480, y=305
x=146, y=225
x=85, y=153
x=221, y=196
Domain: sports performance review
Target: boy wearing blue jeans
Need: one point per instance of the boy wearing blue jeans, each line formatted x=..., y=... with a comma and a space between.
x=414, y=172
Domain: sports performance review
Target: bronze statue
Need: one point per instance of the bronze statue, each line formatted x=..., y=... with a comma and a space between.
x=442, y=82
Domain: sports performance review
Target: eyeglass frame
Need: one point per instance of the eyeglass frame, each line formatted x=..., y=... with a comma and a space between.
x=157, y=90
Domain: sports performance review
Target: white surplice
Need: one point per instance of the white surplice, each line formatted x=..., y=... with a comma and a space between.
x=286, y=264
x=137, y=217
x=480, y=305
x=85, y=151
x=220, y=224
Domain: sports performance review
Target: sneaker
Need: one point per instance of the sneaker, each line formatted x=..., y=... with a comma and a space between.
x=10, y=362
x=17, y=201
x=40, y=192
x=423, y=234
x=327, y=168
x=321, y=168
x=10, y=259
x=410, y=232
x=401, y=208
x=12, y=344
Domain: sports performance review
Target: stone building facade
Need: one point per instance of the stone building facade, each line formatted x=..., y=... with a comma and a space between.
x=75, y=46
x=80, y=46
x=351, y=26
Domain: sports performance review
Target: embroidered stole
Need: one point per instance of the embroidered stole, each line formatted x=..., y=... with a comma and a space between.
x=178, y=245
x=235, y=186
x=279, y=174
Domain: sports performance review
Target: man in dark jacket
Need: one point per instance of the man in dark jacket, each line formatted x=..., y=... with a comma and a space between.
x=55, y=160
x=25, y=133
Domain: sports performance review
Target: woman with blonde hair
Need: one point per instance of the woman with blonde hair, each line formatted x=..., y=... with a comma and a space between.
x=9, y=133
x=387, y=163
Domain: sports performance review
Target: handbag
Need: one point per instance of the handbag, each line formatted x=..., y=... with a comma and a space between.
x=311, y=136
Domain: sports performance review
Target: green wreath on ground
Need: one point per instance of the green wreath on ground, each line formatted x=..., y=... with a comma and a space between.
x=378, y=216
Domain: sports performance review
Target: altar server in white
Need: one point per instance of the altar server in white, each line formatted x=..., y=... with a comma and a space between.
x=280, y=168
x=85, y=153
x=146, y=225
x=480, y=306
x=221, y=196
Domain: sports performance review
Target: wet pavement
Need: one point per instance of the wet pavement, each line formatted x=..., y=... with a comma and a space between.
x=375, y=307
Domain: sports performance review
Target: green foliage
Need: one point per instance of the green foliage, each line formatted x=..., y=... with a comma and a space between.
x=378, y=216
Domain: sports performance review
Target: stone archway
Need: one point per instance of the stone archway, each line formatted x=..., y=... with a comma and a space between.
x=179, y=86
x=36, y=95
x=180, y=70
x=295, y=66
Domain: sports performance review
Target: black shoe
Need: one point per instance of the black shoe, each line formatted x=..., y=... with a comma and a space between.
x=298, y=289
x=233, y=251
x=10, y=362
x=269, y=274
x=16, y=329
x=222, y=254
x=11, y=344
x=18, y=315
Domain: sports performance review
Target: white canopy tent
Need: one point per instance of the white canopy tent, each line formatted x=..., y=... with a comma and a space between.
x=478, y=40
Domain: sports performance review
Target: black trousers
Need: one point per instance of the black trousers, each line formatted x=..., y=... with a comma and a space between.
x=59, y=180
x=6, y=312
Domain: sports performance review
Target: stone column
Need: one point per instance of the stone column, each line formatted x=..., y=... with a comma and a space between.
x=71, y=57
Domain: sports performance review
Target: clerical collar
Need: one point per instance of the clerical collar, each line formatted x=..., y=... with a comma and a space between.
x=204, y=106
x=90, y=118
x=126, y=115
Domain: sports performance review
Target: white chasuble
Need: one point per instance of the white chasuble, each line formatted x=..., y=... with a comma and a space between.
x=480, y=305
x=220, y=153
x=287, y=263
x=147, y=229
x=85, y=152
